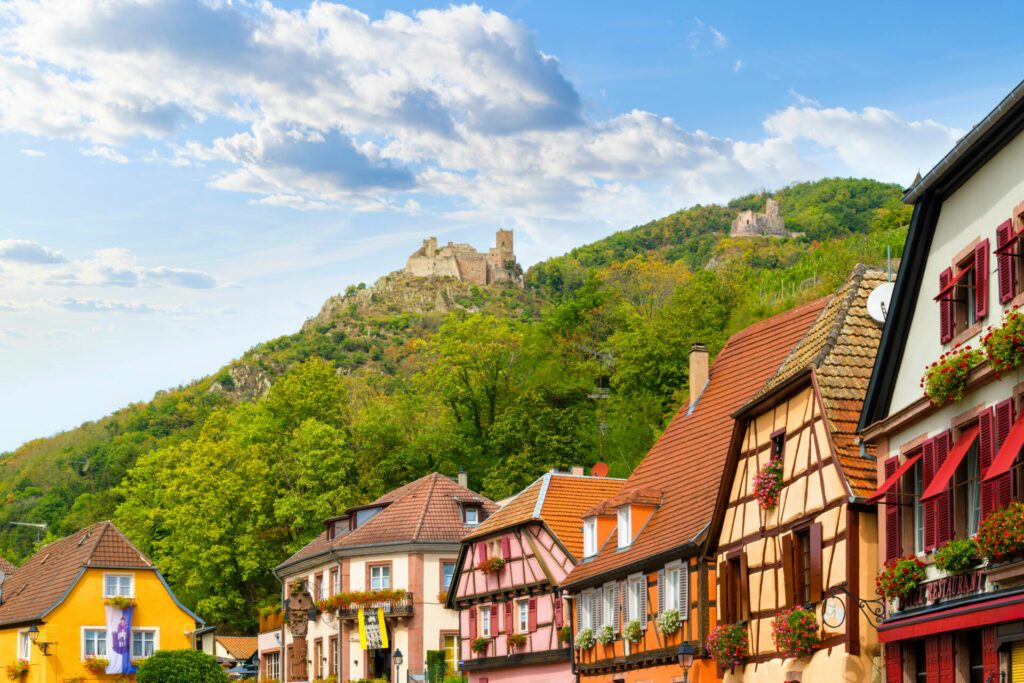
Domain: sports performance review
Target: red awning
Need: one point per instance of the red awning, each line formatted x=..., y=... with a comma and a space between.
x=1009, y=243
x=895, y=477
x=948, y=467
x=1007, y=452
x=945, y=291
x=966, y=617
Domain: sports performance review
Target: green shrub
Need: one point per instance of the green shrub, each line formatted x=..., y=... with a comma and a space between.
x=181, y=666
x=435, y=666
x=957, y=556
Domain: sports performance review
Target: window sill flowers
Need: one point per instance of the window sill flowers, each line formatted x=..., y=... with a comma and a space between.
x=1004, y=345
x=605, y=635
x=795, y=632
x=957, y=556
x=96, y=665
x=899, y=577
x=564, y=634
x=361, y=599
x=480, y=645
x=119, y=602
x=492, y=565
x=515, y=640
x=17, y=669
x=946, y=379
x=1001, y=533
x=668, y=621
x=633, y=633
x=768, y=483
x=728, y=644
x=585, y=639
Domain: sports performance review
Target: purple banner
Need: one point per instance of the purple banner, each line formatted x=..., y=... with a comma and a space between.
x=119, y=640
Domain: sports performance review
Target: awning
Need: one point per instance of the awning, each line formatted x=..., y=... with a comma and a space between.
x=894, y=477
x=1009, y=243
x=948, y=467
x=944, y=293
x=976, y=614
x=1007, y=452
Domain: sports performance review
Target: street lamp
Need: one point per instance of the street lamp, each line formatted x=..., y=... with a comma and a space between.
x=398, y=663
x=33, y=635
x=685, y=656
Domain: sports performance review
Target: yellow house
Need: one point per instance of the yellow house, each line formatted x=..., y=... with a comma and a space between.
x=55, y=612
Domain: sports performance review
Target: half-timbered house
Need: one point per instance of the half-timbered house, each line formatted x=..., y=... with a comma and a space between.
x=802, y=541
x=508, y=578
x=645, y=555
x=949, y=461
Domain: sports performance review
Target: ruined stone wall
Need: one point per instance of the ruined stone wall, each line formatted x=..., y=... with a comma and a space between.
x=463, y=262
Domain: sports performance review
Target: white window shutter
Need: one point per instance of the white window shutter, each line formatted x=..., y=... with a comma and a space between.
x=643, y=602
x=579, y=612
x=595, y=605
x=616, y=607
x=684, y=592
x=599, y=612
x=661, y=591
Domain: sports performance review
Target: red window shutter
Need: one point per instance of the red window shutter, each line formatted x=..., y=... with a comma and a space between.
x=931, y=659
x=986, y=451
x=945, y=309
x=892, y=513
x=481, y=551
x=509, y=626
x=744, y=588
x=947, y=660
x=928, y=461
x=943, y=502
x=559, y=615
x=989, y=654
x=472, y=622
x=531, y=614
x=893, y=663
x=506, y=548
x=1004, y=421
x=788, y=572
x=721, y=577
x=1006, y=262
x=981, y=279
x=495, y=624
x=814, y=536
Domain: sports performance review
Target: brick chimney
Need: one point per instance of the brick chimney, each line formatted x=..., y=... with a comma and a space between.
x=698, y=370
x=576, y=471
x=463, y=478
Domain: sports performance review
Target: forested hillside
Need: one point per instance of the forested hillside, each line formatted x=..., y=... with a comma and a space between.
x=393, y=381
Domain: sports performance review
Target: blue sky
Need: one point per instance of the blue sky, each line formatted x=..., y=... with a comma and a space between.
x=184, y=179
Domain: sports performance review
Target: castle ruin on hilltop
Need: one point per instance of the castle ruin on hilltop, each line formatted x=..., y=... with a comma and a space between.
x=463, y=262
x=767, y=224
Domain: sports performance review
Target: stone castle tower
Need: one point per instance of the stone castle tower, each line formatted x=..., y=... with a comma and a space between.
x=463, y=262
x=767, y=224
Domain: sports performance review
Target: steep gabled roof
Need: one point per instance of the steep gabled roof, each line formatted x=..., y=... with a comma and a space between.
x=558, y=500
x=840, y=349
x=686, y=463
x=44, y=580
x=428, y=510
x=239, y=647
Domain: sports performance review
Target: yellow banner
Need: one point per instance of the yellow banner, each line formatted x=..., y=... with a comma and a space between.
x=376, y=636
x=362, y=629
x=383, y=628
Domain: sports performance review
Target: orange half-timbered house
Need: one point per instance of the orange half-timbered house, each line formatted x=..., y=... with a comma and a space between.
x=812, y=549
x=644, y=555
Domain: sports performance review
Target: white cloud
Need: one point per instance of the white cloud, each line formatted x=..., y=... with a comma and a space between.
x=326, y=108
x=737, y=66
x=26, y=151
x=27, y=251
x=803, y=100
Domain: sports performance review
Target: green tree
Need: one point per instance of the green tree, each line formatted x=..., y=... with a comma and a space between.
x=181, y=666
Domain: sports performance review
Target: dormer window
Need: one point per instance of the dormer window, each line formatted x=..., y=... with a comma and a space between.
x=590, y=536
x=625, y=525
x=471, y=515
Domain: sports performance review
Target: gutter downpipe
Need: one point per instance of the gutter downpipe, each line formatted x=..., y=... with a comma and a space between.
x=284, y=650
x=572, y=635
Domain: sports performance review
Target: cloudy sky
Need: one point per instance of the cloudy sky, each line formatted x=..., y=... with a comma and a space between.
x=182, y=179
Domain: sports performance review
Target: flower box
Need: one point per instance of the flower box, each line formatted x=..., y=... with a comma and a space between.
x=492, y=565
x=1007, y=574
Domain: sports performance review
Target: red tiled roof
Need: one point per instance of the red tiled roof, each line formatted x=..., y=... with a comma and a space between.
x=427, y=510
x=688, y=459
x=239, y=647
x=6, y=567
x=42, y=582
x=563, y=500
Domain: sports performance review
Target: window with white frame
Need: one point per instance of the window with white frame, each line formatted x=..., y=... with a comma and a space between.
x=608, y=608
x=522, y=616
x=118, y=586
x=94, y=642
x=584, y=600
x=272, y=666
x=472, y=514
x=380, y=577
x=589, y=537
x=918, y=475
x=485, y=621
x=635, y=600
x=143, y=643
x=625, y=527
x=24, y=646
x=672, y=587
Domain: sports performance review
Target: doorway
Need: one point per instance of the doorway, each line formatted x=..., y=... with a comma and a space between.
x=379, y=664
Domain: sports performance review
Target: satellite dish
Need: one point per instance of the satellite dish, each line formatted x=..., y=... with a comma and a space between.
x=599, y=470
x=878, y=302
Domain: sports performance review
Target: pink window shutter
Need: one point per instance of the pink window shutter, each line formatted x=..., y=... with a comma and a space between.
x=481, y=551
x=981, y=280
x=472, y=622
x=506, y=548
x=531, y=614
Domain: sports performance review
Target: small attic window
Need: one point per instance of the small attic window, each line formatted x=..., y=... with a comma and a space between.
x=471, y=515
x=625, y=526
x=778, y=443
x=589, y=536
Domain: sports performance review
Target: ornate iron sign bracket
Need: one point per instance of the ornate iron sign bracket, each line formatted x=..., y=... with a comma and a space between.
x=875, y=611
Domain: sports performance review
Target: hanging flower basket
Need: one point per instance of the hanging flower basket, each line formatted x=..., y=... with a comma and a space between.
x=606, y=635
x=1001, y=533
x=120, y=602
x=442, y=597
x=668, y=621
x=564, y=634
x=361, y=599
x=17, y=669
x=945, y=380
x=957, y=556
x=1004, y=345
x=899, y=577
x=795, y=632
x=728, y=645
x=480, y=645
x=585, y=639
x=768, y=483
x=515, y=640
x=96, y=665
x=492, y=565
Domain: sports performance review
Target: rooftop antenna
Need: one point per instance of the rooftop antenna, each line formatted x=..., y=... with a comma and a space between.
x=38, y=526
x=888, y=261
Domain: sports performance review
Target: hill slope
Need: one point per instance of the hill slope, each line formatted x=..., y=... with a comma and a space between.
x=388, y=382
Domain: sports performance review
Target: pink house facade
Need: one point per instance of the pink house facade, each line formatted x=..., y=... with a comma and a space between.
x=507, y=579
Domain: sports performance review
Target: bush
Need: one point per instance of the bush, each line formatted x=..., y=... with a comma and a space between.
x=957, y=556
x=899, y=577
x=181, y=666
x=435, y=666
x=1001, y=533
x=728, y=645
x=795, y=632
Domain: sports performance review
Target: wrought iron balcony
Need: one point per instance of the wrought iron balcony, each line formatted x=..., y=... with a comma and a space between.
x=395, y=607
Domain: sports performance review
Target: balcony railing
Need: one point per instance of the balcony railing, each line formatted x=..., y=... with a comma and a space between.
x=398, y=607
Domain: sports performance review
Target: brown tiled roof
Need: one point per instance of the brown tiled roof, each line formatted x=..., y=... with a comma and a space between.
x=563, y=498
x=427, y=510
x=840, y=348
x=42, y=582
x=239, y=647
x=688, y=459
x=6, y=567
